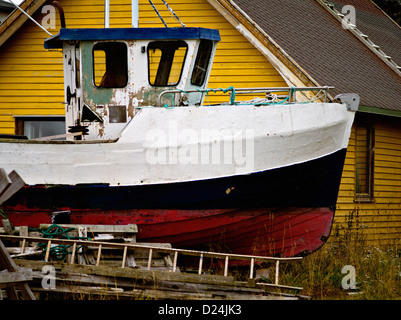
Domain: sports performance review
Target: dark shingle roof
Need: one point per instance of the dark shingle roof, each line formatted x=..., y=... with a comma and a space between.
x=376, y=24
x=331, y=55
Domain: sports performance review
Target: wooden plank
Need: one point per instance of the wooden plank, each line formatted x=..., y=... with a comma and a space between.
x=16, y=185
x=71, y=278
x=8, y=226
x=129, y=228
x=7, y=263
x=279, y=286
x=5, y=181
x=27, y=250
x=7, y=277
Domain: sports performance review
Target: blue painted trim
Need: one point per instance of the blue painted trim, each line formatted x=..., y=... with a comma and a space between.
x=131, y=34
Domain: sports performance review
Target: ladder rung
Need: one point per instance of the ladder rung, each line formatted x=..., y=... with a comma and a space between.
x=175, y=261
x=251, y=268
x=74, y=247
x=99, y=252
x=200, y=264
x=226, y=266
x=150, y=258
x=124, y=257
x=48, y=250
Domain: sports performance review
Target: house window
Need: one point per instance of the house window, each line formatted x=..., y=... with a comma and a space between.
x=110, y=65
x=37, y=127
x=166, y=60
x=364, y=162
x=202, y=62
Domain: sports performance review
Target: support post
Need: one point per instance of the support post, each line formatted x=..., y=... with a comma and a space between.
x=135, y=13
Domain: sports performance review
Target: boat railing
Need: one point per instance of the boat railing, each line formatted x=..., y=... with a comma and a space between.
x=273, y=95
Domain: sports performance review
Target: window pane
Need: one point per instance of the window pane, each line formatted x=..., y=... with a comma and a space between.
x=110, y=65
x=201, y=63
x=166, y=59
x=43, y=128
x=364, y=160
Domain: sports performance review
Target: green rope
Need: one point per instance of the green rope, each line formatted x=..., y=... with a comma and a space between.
x=58, y=252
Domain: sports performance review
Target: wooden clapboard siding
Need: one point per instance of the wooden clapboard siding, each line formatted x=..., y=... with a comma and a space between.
x=378, y=222
x=31, y=78
x=237, y=63
x=31, y=83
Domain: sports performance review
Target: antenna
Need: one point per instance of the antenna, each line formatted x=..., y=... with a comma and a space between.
x=38, y=24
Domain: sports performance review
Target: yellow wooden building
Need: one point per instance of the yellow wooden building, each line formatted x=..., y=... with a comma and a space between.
x=270, y=43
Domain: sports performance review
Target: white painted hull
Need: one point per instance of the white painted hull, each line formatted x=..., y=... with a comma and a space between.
x=163, y=145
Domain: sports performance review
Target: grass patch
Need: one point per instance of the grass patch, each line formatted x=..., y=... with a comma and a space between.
x=377, y=272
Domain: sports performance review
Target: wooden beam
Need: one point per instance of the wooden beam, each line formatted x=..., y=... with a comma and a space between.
x=98, y=228
x=16, y=184
x=7, y=263
x=5, y=181
x=23, y=275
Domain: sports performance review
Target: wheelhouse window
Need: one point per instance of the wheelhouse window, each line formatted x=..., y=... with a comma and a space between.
x=77, y=66
x=364, y=162
x=110, y=64
x=166, y=60
x=202, y=62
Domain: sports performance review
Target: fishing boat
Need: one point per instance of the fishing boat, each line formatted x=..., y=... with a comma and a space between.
x=143, y=146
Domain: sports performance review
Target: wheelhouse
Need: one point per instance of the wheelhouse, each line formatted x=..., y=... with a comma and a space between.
x=109, y=74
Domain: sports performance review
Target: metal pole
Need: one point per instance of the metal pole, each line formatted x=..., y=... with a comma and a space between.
x=135, y=13
x=107, y=13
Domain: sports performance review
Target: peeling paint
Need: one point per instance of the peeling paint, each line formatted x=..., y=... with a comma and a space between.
x=138, y=92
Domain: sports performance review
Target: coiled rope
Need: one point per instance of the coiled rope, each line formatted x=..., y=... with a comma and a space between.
x=58, y=252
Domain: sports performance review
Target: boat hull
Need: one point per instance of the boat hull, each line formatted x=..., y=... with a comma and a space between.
x=283, y=212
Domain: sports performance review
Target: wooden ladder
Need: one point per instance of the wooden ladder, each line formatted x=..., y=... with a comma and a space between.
x=227, y=257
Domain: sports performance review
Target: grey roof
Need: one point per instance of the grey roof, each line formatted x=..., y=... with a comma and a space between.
x=331, y=55
x=372, y=21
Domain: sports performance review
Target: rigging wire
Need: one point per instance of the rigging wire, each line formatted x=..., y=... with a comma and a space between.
x=171, y=11
x=38, y=24
x=160, y=17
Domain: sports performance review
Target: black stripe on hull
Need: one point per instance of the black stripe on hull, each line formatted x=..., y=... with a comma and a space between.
x=310, y=184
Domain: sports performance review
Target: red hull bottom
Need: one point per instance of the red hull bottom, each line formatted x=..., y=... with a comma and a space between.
x=282, y=232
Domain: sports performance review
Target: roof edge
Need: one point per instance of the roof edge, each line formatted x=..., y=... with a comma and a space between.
x=378, y=111
x=16, y=19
